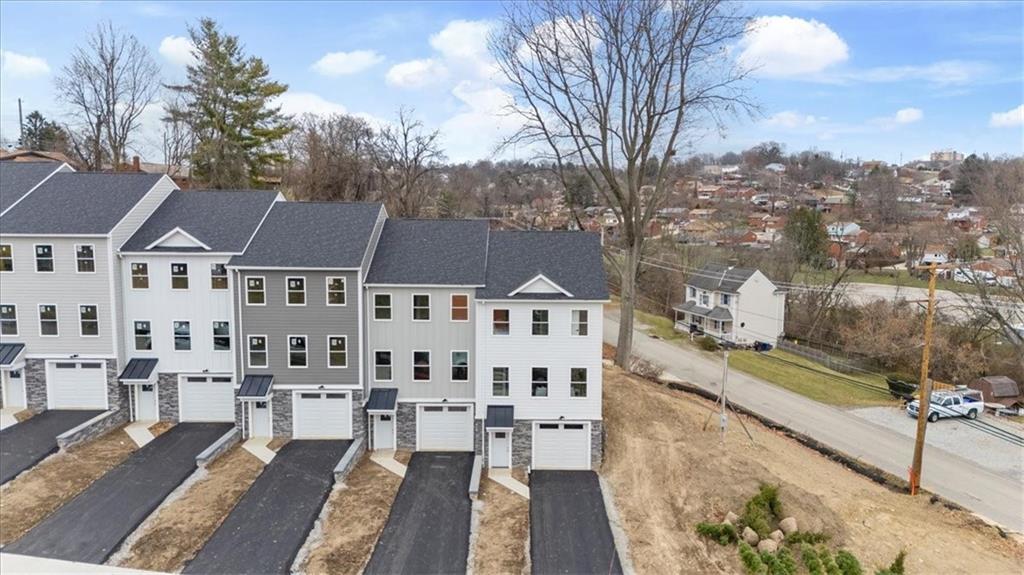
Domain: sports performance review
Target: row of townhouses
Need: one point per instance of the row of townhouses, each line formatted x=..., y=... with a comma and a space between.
x=299, y=320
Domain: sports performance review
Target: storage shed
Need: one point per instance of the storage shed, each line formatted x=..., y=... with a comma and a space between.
x=998, y=389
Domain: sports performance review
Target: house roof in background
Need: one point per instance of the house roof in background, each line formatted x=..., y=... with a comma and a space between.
x=224, y=220
x=312, y=235
x=78, y=203
x=18, y=178
x=573, y=260
x=719, y=277
x=430, y=252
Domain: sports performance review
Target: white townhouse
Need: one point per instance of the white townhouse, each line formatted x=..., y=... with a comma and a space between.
x=60, y=300
x=732, y=304
x=538, y=322
x=178, y=314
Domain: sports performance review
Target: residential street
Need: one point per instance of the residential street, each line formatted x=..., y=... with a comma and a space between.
x=997, y=498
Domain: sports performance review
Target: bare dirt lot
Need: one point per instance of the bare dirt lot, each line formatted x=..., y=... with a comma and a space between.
x=504, y=526
x=356, y=517
x=33, y=495
x=182, y=526
x=668, y=475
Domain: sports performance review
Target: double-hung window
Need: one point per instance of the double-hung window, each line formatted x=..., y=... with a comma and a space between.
x=85, y=258
x=143, y=335
x=296, y=291
x=257, y=351
x=382, y=365
x=6, y=258
x=297, y=352
x=179, y=276
x=88, y=321
x=8, y=319
x=44, y=258
x=579, y=322
x=140, y=275
x=725, y=298
x=705, y=298
x=221, y=336
x=499, y=382
x=460, y=366
x=382, y=307
x=500, y=323
x=255, y=291
x=539, y=379
x=218, y=276
x=578, y=382
x=460, y=307
x=420, y=307
x=48, y=320
x=337, y=351
x=182, y=335
x=540, y=322
x=421, y=366
x=336, y=291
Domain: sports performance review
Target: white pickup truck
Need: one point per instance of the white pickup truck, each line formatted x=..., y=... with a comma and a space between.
x=967, y=404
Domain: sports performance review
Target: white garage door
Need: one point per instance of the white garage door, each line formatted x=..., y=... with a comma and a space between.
x=445, y=428
x=322, y=416
x=77, y=384
x=561, y=446
x=203, y=398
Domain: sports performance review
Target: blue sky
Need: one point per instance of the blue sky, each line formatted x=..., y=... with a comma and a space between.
x=869, y=80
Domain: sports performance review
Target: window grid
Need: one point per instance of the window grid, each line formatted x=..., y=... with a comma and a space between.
x=336, y=291
x=539, y=382
x=257, y=351
x=460, y=366
x=218, y=276
x=255, y=291
x=44, y=258
x=499, y=382
x=459, y=307
x=540, y=322
x=48, y=320
x=298, y=353
x=578, y=382
x=420, y=307
x=88, y=321
x=6, y=258
x=140, y=275
x=580, y=322
x=500, y=322
x=296, y=291
x=85, y=258
x=182, y=335
x=337, y=351
x=179, y=276
x=8, y=319
x=143, y=335
x=382, y=368
x=421, y=366
x=221, y=336
x=382, y=307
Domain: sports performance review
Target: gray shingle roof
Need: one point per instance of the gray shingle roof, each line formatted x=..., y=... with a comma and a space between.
x=312, y=235
x=78, y=203
x=138, y=368
x=717, y=312
x=224, y=220
x=430, y=252
x=718, y=277
x=17, y=178
x=9, y=353
x=382, y=399
x=255, y=386
x=500, y=416
x=572, y=260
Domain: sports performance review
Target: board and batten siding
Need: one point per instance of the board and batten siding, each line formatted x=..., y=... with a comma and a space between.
x=65, y=287
x=162, y=306
x=440, y=336
x=315, y=320
x=520, y=351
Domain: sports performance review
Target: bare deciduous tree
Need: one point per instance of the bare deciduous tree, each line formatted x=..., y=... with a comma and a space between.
x=108, y=84
x=405, y=157
x=178, y=143
x=331, y=158
x=611, y=85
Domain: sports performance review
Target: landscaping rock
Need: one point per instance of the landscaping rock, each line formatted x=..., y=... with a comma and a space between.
x=788, y=525
x=731, y=518
x=767, y=546
x=750, y=536
x=777, y=535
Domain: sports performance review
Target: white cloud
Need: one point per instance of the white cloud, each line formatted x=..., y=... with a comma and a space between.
x=908, y=115
x=298, y=103
x=790, y=120
x=783, y=46
x=416, y=73
x=345, y=63
x=463, y=45
x=20, y=65
x=946, y=72
x=1014, y=117
x=177, y=50
x=481, y=125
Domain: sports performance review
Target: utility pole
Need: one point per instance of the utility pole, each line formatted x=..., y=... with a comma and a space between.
x=925, y=389
x=21, y=126
x=724, y=419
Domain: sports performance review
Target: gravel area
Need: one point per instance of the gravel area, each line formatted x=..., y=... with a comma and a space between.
x=955, y=436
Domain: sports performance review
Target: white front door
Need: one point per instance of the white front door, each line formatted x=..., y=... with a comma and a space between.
x=384, y=431
x=206, y=398
x=320, y=415
x=145, y=403
x=260, y=420
x=499, y=456
x=76, y=384
x=445, y=428
x=14, y=388
x=561, y=446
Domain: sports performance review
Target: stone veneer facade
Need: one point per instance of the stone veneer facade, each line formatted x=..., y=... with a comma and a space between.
x=405, y=415
x=35, y=384
x=167, y=396
x=522, y=444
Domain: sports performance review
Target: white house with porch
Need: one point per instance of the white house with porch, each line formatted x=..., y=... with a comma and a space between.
x=732, y=304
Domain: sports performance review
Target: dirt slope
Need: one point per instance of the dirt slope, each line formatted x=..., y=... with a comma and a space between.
x=504, y=527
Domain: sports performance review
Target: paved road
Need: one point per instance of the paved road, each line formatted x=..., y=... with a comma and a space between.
x=29, y=442
x=947, y=301
x=268, y=526
x=91, y=526
x=569, y=530
x=428, y=528
x=988, y=494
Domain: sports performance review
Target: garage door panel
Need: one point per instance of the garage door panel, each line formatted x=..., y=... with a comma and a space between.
x=322, y=416
x=77, y=385
x=445, y=428
x=561, y=446
x=206, y=399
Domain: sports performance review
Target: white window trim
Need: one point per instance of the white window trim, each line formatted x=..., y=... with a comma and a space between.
x=509, y=312
x=391, y=306
x=214, y=336
x=135, y=336
x=39, y=316
x=35, y=258
x=508, y=382
x=344, y=290
x=226, y=275
x=532, y=396
x=248, y=351
x=430, y=366
x=288, y=349
x=188, y=279
x=288, y=292
x=571, y=382
x=451, y=307
x=174, y=344
x=412, y=310
x=131, y=276
x=80, y=334
x=93, y=246
x=263, y=291
x=17, y=326
x=547, y=322
x=451, y=366
x=12, y=259
x=573, y=323
x=375, y=364
x=345, y=338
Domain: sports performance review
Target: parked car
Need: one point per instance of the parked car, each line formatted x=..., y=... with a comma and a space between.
x=967, y=404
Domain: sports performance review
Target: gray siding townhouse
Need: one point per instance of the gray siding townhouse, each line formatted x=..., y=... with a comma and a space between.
x=298, y=290
x=420, y=348
x=178, y=313
x=60, y=302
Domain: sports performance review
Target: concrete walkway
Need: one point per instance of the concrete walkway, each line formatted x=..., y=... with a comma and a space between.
x=27, y=564
x=139, y=432
x=7, y=418
x=386, y=459
x=258, y=447
x=504, y=478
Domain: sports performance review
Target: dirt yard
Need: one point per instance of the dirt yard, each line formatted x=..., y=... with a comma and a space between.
x=668, y=475
x=33, y=495
x=356, y=516
x=181, y=527
x=504, y=528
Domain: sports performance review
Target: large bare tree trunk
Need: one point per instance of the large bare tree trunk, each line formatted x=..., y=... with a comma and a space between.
x=627, y=303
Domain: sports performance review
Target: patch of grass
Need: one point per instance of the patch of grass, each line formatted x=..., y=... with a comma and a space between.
x=723, y=533
x=798, y=537
x=763, y=510
x=896, y=567
x=811, y=560
x=821, y=384
x=848, y=563
x=751, y=560
x=660, y=326
x=887, y=277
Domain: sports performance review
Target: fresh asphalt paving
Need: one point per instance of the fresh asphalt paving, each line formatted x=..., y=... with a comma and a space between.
x=428, y=529
x=92, y=526
x=569, y=530
x=29, y=442
x=268, y=526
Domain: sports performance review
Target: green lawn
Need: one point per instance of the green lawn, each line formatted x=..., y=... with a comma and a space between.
x=885, y=277
x=659, y=325
x=822, y=384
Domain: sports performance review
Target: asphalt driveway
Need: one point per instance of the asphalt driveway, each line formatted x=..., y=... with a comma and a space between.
x=569, y=530
x=268, y=526
x=90, y=527
x=24, y=444
x=428, y=528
